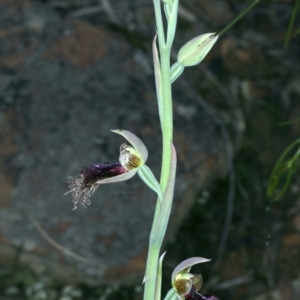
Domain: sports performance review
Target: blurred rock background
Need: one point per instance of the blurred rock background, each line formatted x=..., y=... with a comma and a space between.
x=72, y=70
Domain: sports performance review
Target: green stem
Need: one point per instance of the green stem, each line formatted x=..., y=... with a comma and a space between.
x=167, y=128
x=159, y=22
x=162, y=211
x=241, y=15
x=167, y=137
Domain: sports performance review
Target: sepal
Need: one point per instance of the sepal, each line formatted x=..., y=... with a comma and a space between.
x=148, y=177
x=137, y=144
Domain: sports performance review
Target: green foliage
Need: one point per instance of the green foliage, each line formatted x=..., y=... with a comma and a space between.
x=289, y=122
x=283, y=171
x=240, y=16
x=291, y=24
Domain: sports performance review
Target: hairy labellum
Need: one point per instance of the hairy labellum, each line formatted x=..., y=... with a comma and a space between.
x=193, y=295
x=131, y=161
x=97, y=172
x=84, y=185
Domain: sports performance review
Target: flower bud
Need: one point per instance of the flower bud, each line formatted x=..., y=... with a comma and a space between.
x=194, y=51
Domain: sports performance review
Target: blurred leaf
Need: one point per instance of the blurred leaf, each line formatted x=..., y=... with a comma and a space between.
x=284, y=169
x=25, y=277
x=291, y=24
x=241, y=15
x=289, y=122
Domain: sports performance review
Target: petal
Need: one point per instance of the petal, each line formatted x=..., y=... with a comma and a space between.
x=118, y=178
x=148, y=177
x=187, y=264
x=182, y=286
x=129, y=158
x=197, y=281
x=84, y=185
x=101, y=171
x=135, y=142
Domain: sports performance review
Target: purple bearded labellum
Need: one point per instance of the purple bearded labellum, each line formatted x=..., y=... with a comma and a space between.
x=84, y=185
x=131, y=159
x=194, y=295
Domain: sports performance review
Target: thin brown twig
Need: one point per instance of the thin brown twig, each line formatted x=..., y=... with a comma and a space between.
x=45, y=235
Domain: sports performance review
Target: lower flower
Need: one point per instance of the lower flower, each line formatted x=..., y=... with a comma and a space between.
x=186, y=284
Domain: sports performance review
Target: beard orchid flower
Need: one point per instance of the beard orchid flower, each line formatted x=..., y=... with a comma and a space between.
x=186, y=284
x=131, y=161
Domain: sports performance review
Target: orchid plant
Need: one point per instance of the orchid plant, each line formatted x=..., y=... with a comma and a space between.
x=133, y=157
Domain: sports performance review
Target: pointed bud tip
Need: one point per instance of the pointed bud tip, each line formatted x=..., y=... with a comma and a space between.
x=116, y=130
x=194, y=51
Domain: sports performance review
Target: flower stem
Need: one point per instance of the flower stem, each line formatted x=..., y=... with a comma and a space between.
x=156, y=236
